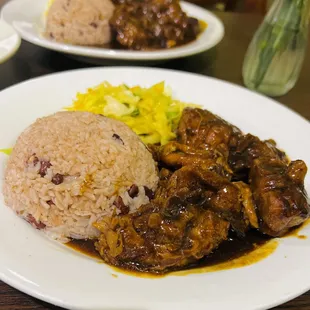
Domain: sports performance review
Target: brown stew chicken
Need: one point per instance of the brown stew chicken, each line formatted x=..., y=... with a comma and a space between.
x=214, y=180
x=151, y=24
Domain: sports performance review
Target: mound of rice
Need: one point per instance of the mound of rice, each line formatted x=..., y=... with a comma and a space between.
x=80, y=22
x=69, y=169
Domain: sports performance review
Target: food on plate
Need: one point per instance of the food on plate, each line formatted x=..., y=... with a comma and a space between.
x=79, y=22
x=151, y=112
x=69, y=169
x=152, y=24
x=213, y=180
x=160, y=195
x=276, y=182
x=131, y=24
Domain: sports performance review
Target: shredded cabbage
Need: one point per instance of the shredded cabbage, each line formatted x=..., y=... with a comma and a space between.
x=6, y=151
x=151, y=113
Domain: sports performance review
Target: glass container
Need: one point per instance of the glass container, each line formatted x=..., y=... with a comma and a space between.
x=275, y=56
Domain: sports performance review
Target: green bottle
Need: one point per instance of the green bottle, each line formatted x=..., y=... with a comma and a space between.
x=275, y=56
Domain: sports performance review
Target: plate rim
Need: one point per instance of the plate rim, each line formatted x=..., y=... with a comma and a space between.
x=48, y=298
x=138, y=68
x=98, y=53
x=66, y=305
x=15, y=47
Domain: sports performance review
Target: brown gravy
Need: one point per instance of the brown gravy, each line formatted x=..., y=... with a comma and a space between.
x=233, y=253
x=295, y=232
x=84, y=246
x=114, y=45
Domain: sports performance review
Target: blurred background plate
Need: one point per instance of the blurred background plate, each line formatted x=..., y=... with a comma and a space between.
x=9, y=41
x=30, y=25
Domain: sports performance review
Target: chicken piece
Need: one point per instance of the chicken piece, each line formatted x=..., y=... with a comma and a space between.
x=297, y=171
x=204, y=138
x=154, y=149
x=189, y=217
x=176, y=155
x=152, y=24
x=203, y=130
x=249, y=207
x=277, y=186
x=157, y=241
x=226, y=203
x=206, y=179
x=279, y=194
x=201, y=136
x=249, y=148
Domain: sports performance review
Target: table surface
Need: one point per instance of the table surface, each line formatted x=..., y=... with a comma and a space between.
x=223, y=62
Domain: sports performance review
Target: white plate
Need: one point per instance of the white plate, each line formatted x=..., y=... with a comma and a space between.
x=9, y=41
x=30, y=24
x=52, y=272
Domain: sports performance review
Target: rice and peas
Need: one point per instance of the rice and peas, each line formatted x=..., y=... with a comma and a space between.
x=69, y=169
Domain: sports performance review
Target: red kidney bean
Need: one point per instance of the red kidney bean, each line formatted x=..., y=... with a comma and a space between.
x=133, y=191
x=58, y=179
x=119, y=204
x=44, y=166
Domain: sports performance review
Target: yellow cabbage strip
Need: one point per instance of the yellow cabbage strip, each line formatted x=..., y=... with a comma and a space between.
x=49, y=4
x=6, y=151
x=151, y=113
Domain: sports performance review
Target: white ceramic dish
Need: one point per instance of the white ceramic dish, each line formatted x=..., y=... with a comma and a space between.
x=52, y=272
x=30, y=25
x=9, y=41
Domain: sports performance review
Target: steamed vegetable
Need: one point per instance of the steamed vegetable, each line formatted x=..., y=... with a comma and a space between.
x=150, y=112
